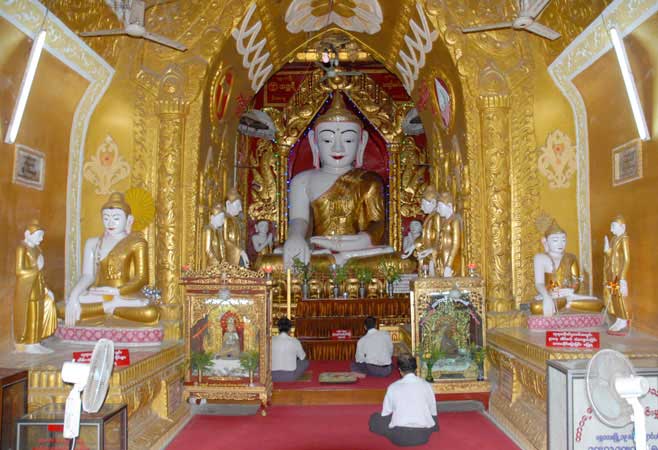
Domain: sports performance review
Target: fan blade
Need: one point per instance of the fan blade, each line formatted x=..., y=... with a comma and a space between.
x=321, y=66
x=543, y=31
x=534, y=10
x=102, y=33
x=493, y=26
x=348, y=73
x=164, y=41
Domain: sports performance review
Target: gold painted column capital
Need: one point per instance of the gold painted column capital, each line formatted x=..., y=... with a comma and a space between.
x=167, y=107
x=494, y=101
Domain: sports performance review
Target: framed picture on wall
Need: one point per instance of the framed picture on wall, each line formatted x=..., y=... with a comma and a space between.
x=627, y=162
x=29, y=167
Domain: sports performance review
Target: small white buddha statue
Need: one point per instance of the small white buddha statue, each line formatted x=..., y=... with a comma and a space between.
x=234, y=230
x=616, y=259
x=557, y=277
x=114, y=270
x=262, y=240
x=230, y=341
x=449, y=236
x=428, y=244
x=409, y=241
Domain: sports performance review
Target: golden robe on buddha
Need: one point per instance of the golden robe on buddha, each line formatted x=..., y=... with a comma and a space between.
x=35, y=317
x=214, y=250
x=566, y=276
x=615, y=268
x=353, y=204
x=449, y=245
x=234, y=242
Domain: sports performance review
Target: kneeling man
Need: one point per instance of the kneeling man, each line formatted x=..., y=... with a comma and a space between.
x=409, y=412
x=288, y=357
x=374, y=351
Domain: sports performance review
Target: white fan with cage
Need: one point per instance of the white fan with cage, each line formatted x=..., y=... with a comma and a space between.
x=92, y=380
x=614, y=389
x=529, y=10
x=330, y=64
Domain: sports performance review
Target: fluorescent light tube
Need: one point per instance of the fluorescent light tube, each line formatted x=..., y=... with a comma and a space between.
x=629, y=82
x=26, y=85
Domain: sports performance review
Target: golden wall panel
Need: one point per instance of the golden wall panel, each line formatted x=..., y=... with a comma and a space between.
x=48, y=130
x=610, y=124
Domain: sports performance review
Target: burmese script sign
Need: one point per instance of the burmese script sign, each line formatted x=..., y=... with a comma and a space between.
x=121, y=357
x=582, y=340
x=340, y=335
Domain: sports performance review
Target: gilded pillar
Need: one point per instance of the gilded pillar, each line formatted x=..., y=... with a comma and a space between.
x=282, y=190
x=394, y=186
x=171, y=113
x=494, y=126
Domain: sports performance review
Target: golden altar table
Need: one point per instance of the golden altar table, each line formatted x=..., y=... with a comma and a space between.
x=518, y=356
x=316, y=318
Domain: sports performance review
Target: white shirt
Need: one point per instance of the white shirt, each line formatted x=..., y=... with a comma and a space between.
x=411, y=401
x=285, y=351
x=376, y=347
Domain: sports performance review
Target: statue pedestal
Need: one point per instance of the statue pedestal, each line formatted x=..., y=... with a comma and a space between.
x=151, y=335
x=565, y=321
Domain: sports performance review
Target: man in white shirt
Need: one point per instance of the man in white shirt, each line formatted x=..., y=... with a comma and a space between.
x=408, y=415
x=374, y=351
x=288, y=357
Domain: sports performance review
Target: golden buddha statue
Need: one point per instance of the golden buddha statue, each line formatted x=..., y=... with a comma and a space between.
x=234, y=230
x=114, y=270
x=446, y=259
x=616, y=258
x=557, y=277
x=339, y=204
x=34, y=306
x=214, y=249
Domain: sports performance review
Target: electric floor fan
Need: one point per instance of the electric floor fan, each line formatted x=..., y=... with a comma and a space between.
x=613, y=390
x=92, y=380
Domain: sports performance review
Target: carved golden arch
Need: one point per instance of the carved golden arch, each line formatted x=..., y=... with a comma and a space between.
x=381, y=111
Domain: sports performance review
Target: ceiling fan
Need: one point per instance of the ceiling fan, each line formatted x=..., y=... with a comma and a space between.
x=133, y=20
x=529, y=10
x=330, y=62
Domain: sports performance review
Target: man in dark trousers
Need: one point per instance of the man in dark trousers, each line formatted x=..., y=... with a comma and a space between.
x=408, y=414
x=288, y=357
x=374, y=351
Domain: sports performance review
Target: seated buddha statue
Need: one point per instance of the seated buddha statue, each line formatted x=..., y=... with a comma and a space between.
x=230, y=342
x=557, y=277
x=616, y=258
x=114, y=270
x=34, y=304
x=336, y=209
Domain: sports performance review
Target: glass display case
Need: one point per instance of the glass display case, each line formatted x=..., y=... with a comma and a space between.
x=227, y=334
x=449, y=329
x=105, y=430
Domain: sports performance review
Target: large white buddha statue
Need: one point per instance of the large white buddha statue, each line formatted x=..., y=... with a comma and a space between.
x=557, y=277
x=336, y=209
x=114, y=270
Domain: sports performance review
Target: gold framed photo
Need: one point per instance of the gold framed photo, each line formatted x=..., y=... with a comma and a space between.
x=627, y=162
x=29, y=167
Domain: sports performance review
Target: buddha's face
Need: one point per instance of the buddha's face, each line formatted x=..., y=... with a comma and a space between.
x=33, y=239
x=428, y=205
x=556, y=243
x=234, y=207
x=617, y=228
x=230, y=324
x=115, y=221
x=217, y=220
x=339, y=144
x=444, y=209
x=262, y=227
x=415, y=227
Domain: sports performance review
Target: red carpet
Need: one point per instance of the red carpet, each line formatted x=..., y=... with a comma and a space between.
x=329, y=428
x=317, y=367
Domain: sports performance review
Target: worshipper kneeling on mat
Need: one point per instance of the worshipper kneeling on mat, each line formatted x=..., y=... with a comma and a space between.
x=374, y=351
x=288, y=357
x=408, y=415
